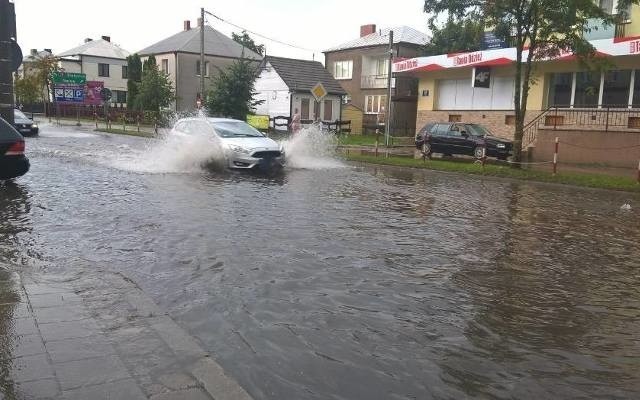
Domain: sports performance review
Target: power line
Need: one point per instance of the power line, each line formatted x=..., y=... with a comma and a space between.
x=260, y=35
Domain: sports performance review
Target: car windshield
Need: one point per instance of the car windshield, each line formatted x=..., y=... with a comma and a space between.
x=229, y=129
x=19, y=114
x=478, y=130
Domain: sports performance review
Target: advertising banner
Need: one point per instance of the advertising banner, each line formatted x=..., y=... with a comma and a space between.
x=92, y=93
x=260, y=122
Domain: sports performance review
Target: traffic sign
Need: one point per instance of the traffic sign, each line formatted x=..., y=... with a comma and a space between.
x=318, y=91
x=68, y=93
x=72, y=78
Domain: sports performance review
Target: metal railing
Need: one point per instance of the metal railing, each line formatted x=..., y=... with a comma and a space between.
x=375, y=82
x=606, y=118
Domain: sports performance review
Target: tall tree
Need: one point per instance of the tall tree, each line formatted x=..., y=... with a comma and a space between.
x=544, y=27
x=155, y=91
x=28, y=89
x=454, y=36
x=244, y=39
x=44, y=67
x=233, y=91
x=134, y=69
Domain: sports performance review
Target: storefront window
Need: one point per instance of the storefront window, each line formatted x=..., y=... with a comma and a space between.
x=636, y=90
x=560, y=90
x=587, y=89
x=616, y=88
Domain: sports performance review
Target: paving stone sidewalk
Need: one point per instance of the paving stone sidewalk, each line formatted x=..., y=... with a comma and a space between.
x=101, y=339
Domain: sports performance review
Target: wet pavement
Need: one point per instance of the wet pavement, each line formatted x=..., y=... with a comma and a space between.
x=325, y=282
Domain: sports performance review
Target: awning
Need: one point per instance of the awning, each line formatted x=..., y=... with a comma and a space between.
x=497, y=57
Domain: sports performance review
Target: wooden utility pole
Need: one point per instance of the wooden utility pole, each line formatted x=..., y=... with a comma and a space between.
x=202, y=66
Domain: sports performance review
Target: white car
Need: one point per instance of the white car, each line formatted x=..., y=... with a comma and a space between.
x=244, y=147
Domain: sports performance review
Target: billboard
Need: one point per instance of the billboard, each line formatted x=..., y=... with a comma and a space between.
x=92, y=93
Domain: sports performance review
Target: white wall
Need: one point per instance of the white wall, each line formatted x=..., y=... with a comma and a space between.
x=275, y=93
x=114, y=81
x=458, y=94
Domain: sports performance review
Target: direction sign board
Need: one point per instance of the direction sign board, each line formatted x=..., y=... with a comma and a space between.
x=71, y=78
x=318, y=91
x=68, y=93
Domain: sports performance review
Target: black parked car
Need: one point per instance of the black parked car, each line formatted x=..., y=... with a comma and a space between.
x=457, y=138
x=13, y=162
x=24, y=124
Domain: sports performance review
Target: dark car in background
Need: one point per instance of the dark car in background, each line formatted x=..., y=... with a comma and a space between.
x=451, y=138
x=24, y=124
x=13, y=162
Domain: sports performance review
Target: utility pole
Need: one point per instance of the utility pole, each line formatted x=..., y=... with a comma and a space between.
x=387, y=126
x=202, y=66
x=7, y=43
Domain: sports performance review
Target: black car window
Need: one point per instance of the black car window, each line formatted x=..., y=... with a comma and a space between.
x=440, y=129
x=428, y=128
x=454, y=131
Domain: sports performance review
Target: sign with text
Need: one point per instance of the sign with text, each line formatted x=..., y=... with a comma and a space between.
x=70, y=78
x=481, y=77
x=68, y=93
x=491, y=41
x=260, y=122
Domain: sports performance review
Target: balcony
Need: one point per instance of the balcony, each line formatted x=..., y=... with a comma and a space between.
x=376, y=82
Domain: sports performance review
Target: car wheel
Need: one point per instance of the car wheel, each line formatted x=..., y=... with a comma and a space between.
x=478, y=152
x=426, y=150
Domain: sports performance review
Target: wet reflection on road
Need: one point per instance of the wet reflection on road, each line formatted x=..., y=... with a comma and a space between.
x=350, y=282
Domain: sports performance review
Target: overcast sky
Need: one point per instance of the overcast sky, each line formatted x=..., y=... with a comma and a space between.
x=135, y=24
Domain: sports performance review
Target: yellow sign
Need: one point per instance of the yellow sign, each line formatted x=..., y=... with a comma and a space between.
x=318, y=91
x=260, y=122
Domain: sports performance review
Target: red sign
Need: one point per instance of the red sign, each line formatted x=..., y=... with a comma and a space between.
x=634, y=47
x=465, y=59
x=92, y=90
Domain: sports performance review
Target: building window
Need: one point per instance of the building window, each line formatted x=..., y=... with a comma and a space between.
x=328, y=110
x=611, y=7
x=636, y=89
x=120, y=96
x=165, y=66
x=304, y=109
x=382, y=66
x=375, y=104
x=615, y=90
x=342, y=69
x=560, y=89
x=125, y=72
x=103, y=70
x=206, y=68
x=587, y=89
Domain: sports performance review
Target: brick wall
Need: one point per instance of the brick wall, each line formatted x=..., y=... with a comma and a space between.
x=495, y=121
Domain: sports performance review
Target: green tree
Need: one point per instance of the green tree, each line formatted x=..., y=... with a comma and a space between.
x=546, y=27
x=155, y=91
x=134, y=69
x=44, y=67
x=244, y=39
x=233, y=91
x=28, y=89
x=454, y=36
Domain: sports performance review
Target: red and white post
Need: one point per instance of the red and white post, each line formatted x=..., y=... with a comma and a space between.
x=555, y=156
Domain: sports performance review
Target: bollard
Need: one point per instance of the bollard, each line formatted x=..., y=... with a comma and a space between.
x=638, y=171
x=138, y=122
x=124, y=123
x=377, y=141
x=95, y=119
x=555, y=157
x=484, y=157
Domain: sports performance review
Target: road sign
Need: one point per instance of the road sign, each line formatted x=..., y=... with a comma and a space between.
x=68, y=93
x=260, y=122
x=106, y=94
x=318, y=91
x=71, y=78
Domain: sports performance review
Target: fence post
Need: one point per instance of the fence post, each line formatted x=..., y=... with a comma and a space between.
x=606, y=127
x=555, y=157
x=639, y=171
x=555, y=120
x=124, y=122
x=377, y=141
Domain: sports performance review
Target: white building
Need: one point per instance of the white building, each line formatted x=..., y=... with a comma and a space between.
x=102, y=61
x=285, y=84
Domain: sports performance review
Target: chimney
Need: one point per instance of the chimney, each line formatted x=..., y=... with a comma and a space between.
x=87, y=40
x=106, y=38
x=187, y=25
x=199, y=22
x=34, y=52
x=367, y=29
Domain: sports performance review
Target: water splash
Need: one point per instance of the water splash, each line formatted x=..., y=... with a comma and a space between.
x=312, y=148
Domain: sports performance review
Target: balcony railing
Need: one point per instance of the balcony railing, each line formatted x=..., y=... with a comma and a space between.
x=376, y=82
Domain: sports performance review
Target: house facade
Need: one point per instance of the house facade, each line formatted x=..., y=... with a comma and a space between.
x=576, y=97
x=179, y=57
x=101, y=61
x=285, y=84
x=361, y=67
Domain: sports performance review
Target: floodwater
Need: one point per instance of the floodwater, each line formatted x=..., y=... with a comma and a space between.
x=334, y=281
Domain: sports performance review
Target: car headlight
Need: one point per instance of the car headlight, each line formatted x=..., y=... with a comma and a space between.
x=34, y=126
x=238, y=149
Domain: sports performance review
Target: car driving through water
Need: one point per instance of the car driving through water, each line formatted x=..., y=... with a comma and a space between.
x=243, y=146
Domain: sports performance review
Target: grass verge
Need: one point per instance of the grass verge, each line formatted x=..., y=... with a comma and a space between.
x=567, y=178
x=129, y=133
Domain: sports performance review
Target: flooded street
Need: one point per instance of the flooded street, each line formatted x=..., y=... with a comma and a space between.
x=334, y=281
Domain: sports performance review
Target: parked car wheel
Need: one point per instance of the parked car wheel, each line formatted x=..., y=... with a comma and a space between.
x=426, y=150
x=478, y=152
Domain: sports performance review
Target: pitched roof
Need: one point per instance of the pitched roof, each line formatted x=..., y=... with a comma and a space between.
x=98, y=48
x=215, y=44
x=303, y=75
x=401, y=34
